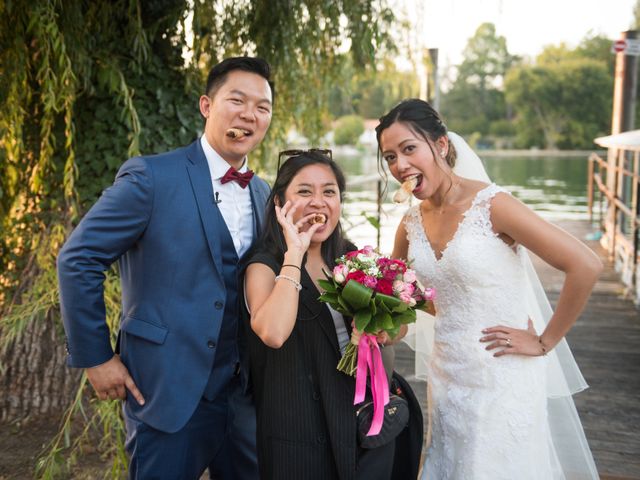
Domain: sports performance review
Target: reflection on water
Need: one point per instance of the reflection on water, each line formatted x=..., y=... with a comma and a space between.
x=555, y=187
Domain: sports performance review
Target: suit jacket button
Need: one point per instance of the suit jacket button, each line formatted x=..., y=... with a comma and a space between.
x=218, y=305
x=211, y=344
x=322, y=439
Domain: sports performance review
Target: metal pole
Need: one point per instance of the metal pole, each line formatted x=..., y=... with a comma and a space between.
x=590, y=188
x=435, y=102
x=379, y=212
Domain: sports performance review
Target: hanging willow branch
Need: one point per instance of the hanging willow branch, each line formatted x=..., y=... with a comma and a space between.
x=87, y=84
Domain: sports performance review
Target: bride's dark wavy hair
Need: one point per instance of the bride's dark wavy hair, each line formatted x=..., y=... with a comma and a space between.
x=272, y=239
x=422, y=119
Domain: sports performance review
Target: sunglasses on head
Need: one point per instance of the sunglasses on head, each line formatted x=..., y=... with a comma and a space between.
x=295, y=152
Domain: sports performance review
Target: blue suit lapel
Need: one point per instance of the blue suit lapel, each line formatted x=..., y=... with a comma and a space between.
x=202, y=186
x=259, y=196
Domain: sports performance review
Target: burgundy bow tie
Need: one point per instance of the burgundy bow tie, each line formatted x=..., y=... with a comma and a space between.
x=232, y=174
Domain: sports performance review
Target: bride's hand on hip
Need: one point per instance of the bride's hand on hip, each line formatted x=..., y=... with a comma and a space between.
x=513, y=340
x=294, y=235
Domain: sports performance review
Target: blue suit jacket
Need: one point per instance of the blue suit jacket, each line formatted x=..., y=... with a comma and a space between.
x=159, y=221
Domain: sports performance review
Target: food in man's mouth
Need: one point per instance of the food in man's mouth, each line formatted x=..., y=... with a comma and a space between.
x=236, y=133
x=404, y=193
x=318, y=218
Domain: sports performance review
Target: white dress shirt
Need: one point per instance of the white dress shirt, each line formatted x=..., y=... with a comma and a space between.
x=233, y=201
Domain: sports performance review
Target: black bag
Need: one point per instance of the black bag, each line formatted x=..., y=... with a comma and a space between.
x=396, y=418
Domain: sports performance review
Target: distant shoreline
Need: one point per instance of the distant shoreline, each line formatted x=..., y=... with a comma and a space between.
x=352, y=151
x=539, y=153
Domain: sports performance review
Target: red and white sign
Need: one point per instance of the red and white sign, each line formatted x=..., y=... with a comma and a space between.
x=619, y=46
x=629, y=46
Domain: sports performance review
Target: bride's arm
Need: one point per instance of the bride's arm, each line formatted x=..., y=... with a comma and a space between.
x=581, y=266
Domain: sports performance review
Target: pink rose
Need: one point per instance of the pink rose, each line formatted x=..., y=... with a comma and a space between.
x=408, y=299
x=409, y=276
x=340, y=273
x=370, y=281
x=429, y=294
x=409, y=288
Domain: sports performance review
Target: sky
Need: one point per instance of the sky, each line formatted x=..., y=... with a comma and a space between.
x=527, y=25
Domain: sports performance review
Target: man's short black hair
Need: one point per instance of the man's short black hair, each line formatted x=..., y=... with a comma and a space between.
x=218, y=74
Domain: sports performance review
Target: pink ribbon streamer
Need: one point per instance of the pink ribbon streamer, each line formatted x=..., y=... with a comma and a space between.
x=370, y=362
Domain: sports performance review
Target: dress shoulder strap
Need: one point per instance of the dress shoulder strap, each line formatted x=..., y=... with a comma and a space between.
x=479, y=214
x=484, y=196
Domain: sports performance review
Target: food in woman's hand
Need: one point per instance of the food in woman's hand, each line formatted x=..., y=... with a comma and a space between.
x=318, y=218
x=235, y=133
x=406, y=188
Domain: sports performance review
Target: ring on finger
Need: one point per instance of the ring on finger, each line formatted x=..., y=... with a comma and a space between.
x=509, y=343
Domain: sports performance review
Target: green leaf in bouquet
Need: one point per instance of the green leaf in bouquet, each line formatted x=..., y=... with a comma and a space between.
x=330, y=298
x=382, y=321
x=328, y=286
x=362, y=319
x=372, y=306
x=401, y=307
x=345, y=309
x=388, y=301
x=356, y=295
x=382, y=307
x=406, y=317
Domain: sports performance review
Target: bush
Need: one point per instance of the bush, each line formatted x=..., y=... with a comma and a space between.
x=347, y=130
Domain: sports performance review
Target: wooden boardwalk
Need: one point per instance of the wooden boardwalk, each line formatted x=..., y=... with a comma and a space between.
x=606, y=344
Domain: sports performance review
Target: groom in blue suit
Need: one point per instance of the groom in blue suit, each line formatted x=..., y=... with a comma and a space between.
x=178, y=224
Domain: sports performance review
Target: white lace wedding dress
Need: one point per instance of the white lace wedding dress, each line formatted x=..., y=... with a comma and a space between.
x=487, y=415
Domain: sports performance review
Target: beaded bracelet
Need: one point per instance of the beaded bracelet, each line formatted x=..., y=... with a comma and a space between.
x=292, y=280
x=291, y=265
x=544, y=349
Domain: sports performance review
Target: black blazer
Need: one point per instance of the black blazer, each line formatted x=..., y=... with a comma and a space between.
x=306, y=425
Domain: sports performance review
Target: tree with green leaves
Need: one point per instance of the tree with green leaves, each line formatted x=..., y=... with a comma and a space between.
x=563, y=101
x=88, y=84
x=476, y=98
x=371, y=92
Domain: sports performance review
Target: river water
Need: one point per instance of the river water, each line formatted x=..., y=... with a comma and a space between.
x=553, y=186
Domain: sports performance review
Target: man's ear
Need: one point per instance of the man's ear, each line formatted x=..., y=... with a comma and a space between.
x=205, y=106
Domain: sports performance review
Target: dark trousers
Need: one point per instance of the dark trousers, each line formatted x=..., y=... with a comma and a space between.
x=219, y=435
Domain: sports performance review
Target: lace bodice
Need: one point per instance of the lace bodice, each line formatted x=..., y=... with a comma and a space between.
x=487, y=414
x=477, y=274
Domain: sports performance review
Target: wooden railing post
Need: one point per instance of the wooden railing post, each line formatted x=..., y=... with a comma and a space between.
x=590, y=187
x=635, y=208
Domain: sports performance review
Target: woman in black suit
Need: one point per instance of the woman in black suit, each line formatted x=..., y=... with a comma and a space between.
x=306, y=422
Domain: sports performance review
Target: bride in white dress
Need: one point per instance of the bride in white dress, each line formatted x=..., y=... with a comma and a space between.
x=499, y=406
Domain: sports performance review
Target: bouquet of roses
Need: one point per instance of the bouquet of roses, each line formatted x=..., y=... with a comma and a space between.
x=381, y=294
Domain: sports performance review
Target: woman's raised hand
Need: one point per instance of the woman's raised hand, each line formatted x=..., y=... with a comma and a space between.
x=295, y=235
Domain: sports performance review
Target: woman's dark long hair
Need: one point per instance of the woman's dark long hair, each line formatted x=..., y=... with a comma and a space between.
x=422, y=119
x=272, y=239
